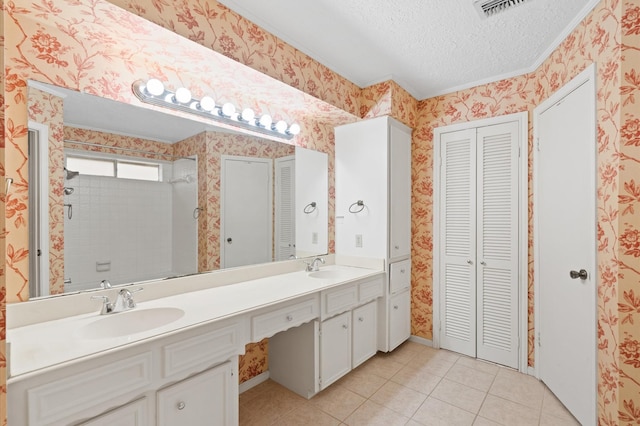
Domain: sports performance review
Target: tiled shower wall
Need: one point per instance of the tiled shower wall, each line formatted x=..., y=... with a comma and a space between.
x=120, y=230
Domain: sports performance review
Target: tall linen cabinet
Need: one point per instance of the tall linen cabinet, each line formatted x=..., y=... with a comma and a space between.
x=373, y=213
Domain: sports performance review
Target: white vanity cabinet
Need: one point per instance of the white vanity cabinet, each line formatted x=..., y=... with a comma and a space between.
x=203, y=400
x=373, y=211
x=311, y=357
x=141, y=384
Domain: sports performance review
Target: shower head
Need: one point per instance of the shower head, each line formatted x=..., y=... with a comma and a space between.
x=70, y=174
x=68, y=190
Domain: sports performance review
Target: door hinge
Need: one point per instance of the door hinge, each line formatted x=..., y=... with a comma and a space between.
x=320, y=380
x=538, y=143
x=539, y=341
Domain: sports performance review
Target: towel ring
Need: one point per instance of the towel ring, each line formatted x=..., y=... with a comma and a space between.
x=310, y=208
x=358, y=203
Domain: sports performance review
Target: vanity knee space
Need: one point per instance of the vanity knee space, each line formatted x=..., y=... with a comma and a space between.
x=309, y=358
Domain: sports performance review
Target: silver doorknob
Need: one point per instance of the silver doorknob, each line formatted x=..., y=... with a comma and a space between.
x=469, y=262
x=181, y=405
x=582, y=274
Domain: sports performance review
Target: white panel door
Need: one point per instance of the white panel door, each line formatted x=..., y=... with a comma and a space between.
x=566, y=241
x=365, y=331
x=207, y=399
x=458, y=241
x=285, y=208
x=497, y=249
x=246, y=211
x=335, y=348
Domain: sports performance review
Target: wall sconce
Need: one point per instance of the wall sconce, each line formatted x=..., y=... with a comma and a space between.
x=153, y=92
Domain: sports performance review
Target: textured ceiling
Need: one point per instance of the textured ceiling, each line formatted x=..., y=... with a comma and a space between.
x=428, y=47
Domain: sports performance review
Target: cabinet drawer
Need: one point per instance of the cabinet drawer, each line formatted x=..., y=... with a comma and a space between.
x=60, y=399
x=280, y=319
x=371, y=289
x=199, y=352
x=400, y=276
x=339, y=300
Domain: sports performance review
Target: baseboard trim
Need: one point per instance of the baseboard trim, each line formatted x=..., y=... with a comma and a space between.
x=254, y=381
x=421, y=340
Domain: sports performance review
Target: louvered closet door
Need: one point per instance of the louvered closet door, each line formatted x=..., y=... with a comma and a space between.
x=458, y=241
x=285, y=213
x=479, y=242
x=497, y=254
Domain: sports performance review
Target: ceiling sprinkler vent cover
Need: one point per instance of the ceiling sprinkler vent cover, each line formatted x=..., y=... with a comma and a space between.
x=488, y=8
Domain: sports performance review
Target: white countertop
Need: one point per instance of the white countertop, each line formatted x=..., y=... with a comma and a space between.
x=56, y=342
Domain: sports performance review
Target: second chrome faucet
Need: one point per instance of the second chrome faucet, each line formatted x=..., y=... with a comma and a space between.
x=314, y=264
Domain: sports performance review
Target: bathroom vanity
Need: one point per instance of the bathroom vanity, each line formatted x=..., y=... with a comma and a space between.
x=174, y=359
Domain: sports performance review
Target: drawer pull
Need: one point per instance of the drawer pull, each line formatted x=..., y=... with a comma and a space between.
x=345, y=326
x=360, y=319
x=181, y=405
x=395, y=307
x=289, y=317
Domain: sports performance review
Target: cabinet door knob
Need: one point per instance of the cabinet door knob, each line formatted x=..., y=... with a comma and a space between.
x=402, y=271
x=289, y=317
x=397, y=247
x=395, y=306
x=181, y=405
x=360, y=319
x=345, y=326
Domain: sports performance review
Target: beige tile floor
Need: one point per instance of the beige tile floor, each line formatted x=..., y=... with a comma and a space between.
x=414, y=385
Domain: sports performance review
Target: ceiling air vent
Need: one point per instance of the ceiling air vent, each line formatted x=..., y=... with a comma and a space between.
x=487, y=8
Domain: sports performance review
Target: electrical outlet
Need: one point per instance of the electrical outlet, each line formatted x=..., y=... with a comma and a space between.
x=314, y=238
x=359, y=240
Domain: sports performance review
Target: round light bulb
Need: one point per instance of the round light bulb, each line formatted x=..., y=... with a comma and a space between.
x=228, y=109
x=265, y=121
x=294, y=129
x=207, y=104
x=183, y=95
x=281, y=126
x=154, y=87
x=248, y=114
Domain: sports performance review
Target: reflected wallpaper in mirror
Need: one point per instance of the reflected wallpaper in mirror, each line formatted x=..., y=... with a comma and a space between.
x=88, y=225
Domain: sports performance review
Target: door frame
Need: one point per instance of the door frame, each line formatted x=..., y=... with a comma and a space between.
x=41, y=264
x=223, y=159
x=587, y=76
x=523, y=220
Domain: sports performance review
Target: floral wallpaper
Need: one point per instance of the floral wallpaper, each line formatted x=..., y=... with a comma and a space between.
x=608, y=36
x=93, y=46
x=3, y=276
x=628, y=258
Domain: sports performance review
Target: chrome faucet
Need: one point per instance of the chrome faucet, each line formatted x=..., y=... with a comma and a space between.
x=124, y=301
x=313, y=265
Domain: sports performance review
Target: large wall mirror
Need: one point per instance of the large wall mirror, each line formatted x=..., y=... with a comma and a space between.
x=124, y=194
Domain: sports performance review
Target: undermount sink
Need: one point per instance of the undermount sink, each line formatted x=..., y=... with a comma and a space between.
x=130, y=322
x=327, y=274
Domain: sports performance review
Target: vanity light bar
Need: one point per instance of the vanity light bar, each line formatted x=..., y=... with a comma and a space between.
x=153, y=92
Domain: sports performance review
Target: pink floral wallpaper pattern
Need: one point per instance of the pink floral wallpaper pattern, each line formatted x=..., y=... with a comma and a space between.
x=72, y=43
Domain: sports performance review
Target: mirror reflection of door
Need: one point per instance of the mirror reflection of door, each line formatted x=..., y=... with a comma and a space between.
x=285, y=208
x=246, y=211
x=39, y=210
